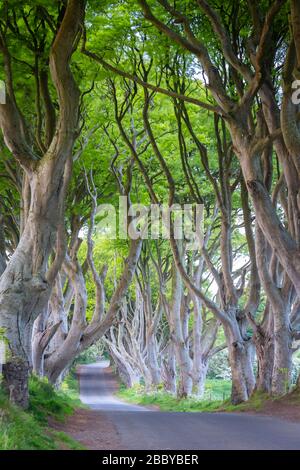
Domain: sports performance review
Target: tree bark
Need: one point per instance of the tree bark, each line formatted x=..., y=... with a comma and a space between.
x=169, y=370
x=282, y=354
x=241, y=362
x=183, y=359
x=264, y=345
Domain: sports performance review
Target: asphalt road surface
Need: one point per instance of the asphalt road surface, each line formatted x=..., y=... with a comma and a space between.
x=140, y=428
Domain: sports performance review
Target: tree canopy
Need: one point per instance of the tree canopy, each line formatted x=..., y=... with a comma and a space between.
x=192, y=102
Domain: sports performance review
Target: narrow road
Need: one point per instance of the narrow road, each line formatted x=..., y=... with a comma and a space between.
x=139, y=428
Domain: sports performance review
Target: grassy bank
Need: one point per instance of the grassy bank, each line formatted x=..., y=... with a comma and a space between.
x=217, y=392
x=213, y=400
x=20, y=430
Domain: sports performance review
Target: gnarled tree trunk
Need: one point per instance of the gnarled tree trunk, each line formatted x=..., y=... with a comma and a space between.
x=169, y=369
x=241, y=354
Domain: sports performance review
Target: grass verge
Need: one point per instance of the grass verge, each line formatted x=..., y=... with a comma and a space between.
x=29, y=430
x=258, y=402
x=215, y=389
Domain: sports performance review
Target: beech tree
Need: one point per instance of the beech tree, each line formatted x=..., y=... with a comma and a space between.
x=26, y=283
x=262, y=137
x=63, y=330
x=247, y=64
x=195, y=103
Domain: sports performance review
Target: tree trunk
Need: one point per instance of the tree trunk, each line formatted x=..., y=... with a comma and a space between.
x=183, y=359
x=203, y=341
x=265, y=363
x=41, y=337
x=24, y=292
x=169, y=370
x=15, y=374
x=275, y=233
x=242, y=372
x=152, y=360
x=282, y=354
x=241, y=364
x=128, y=375
x=199, y=379
x=185, y=386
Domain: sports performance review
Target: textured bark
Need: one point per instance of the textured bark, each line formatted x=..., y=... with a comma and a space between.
x=16, y=381
x=41, y=337
x=75, y=334
x=279, y=331
x=203, y=350
x=264, y=345
x=199, y=377
x=152, y=314
x=23, y=294
x=241, y=356
x=198, y=370
x=126, y=373
x=169, y=370
x=183, y=359
x=287, y=251
x=152, y=359
x=265, y=364
x=282, y=354
x=243, y=382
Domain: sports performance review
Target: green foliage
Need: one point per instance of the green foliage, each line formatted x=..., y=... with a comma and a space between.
x=45, y=401
x=70, y=387
x=2, y=335
x=296, y=367
x=256, y=403
x=93, y=354
x=216, y=392
x=106, y=252
x=219, y=366
x=167, y=402
x=118, y=32
x=20, y=430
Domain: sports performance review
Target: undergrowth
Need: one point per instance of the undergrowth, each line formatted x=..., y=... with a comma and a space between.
x=29, y=430
x=167, y=402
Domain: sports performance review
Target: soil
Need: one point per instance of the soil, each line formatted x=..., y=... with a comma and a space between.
x=91, y=428
x=286, y=408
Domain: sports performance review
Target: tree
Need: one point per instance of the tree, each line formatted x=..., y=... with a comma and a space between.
x=25, y=285
x=195, y=103
x=248, y=137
